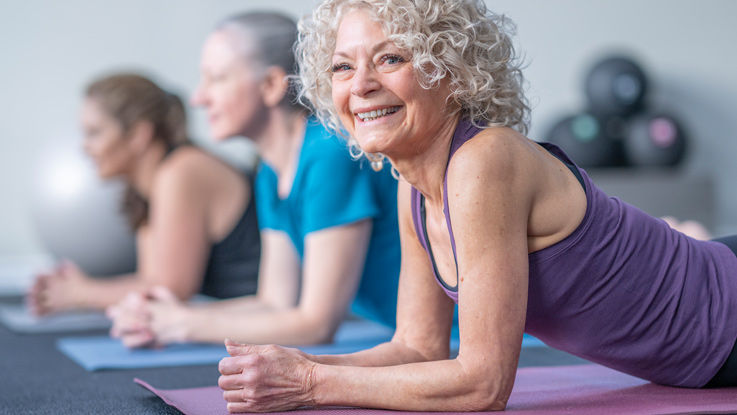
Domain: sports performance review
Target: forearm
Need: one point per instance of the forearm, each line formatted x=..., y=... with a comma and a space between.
x=427, y=386
x=99, y=294
x=385, y=354
x=250, y=303
x=287, y=327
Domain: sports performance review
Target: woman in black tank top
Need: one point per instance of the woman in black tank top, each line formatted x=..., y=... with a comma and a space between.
x=179, y=200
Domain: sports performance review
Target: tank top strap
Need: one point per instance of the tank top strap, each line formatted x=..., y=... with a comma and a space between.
x=417, y=216
x=557, y=152
x=464, y=131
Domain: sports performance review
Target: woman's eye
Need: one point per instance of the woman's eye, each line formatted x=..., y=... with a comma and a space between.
x=338, y=67
x=392, y=59
x=214, y=78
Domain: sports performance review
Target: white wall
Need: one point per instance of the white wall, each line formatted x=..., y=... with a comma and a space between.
x=50, y=49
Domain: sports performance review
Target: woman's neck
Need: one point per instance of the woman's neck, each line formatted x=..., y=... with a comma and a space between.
x=281, y=139
x=425, y=168
x=142, y=175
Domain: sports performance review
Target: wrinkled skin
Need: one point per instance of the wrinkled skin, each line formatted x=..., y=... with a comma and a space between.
x=265, y=378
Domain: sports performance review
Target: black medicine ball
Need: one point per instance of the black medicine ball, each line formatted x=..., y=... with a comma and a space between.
x=588, y=141
x=615, y=86
x=654, y=139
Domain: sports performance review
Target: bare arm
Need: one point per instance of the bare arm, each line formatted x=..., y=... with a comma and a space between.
x=332, y=269
x=492, y=256
x=492, y=260
x=173, y=247
x=278, y=281
x=333, y=263
x=424, y=312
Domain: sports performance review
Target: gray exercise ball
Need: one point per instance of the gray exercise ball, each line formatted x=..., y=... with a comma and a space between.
x=77, y=216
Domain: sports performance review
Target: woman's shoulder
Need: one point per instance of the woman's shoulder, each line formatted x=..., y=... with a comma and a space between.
x=195, y=167
x=498, y=150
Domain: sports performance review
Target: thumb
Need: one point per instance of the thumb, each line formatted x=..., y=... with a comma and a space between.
x=238, y=349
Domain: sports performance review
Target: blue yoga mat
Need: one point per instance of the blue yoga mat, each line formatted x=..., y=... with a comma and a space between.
x=102, y=352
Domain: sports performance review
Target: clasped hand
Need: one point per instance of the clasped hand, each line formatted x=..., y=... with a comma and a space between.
x=57, y=290
x=266, y=378
x=153, y=319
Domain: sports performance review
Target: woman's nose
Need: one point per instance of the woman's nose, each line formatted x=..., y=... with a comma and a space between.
x=198, y=97
x=364, y=82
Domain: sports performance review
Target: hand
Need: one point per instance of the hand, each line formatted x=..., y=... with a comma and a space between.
x=691, y=228
x=156, y=319
x=266, y=378
x=60, y=289
x=169, y=316
x=131, y=321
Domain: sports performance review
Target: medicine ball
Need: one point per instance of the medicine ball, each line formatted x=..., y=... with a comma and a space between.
x=589, y=141
x=654, y=139
x=615, y=86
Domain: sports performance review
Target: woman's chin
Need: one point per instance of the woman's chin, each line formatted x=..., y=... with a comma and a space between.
x=372, y=145
x=108, y=175
x=219, y=136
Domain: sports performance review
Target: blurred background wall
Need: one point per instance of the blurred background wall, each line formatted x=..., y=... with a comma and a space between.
x=49, y=50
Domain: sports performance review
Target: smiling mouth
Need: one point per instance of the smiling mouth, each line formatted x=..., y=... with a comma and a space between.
x=372, y=115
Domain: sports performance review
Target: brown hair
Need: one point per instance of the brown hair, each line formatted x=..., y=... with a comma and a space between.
x=130, y=98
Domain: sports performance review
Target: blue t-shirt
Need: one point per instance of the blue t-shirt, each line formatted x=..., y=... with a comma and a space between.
x=331, y=189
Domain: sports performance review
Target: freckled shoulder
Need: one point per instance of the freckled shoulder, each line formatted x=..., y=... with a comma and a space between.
x=495, y=153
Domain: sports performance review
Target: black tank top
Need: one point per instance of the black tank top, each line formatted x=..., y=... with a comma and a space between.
x=232, y=269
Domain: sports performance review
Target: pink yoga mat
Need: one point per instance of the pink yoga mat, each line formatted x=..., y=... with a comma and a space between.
x=553, y=390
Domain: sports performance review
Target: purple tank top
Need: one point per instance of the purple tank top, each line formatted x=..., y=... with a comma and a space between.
x=625, y=290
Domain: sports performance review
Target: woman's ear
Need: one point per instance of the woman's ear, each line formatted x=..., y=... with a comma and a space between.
x=274, y=86
x=140, y=136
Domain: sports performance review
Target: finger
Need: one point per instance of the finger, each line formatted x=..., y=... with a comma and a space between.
x=133, y=300
x=113, y=311
x=130, y=325
x=239, y=407
x=121, y=310
x=230, y=382
x=39, y=284
x=230, y=366
x=162, y=293
x=239, y=349
x=61, y=268
x=141, y=339
x=235, y=395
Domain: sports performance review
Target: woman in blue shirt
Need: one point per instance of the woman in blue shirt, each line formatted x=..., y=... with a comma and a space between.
x=328, y=223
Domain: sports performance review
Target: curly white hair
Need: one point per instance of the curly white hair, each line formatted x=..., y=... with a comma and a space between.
x=458, y=39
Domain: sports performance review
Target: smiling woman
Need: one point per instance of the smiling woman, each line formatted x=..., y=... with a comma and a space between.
x=466, y=63
x=328, y=224
x=508, y=228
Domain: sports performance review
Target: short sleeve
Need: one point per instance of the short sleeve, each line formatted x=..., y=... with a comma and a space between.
x=267, y=200
x=338, y=189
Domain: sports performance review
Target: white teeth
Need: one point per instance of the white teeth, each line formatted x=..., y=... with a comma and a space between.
x=372, y=115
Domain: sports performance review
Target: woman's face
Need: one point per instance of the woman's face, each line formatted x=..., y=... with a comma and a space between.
x=105, y=141
x=229, y=89
x=376, y=93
